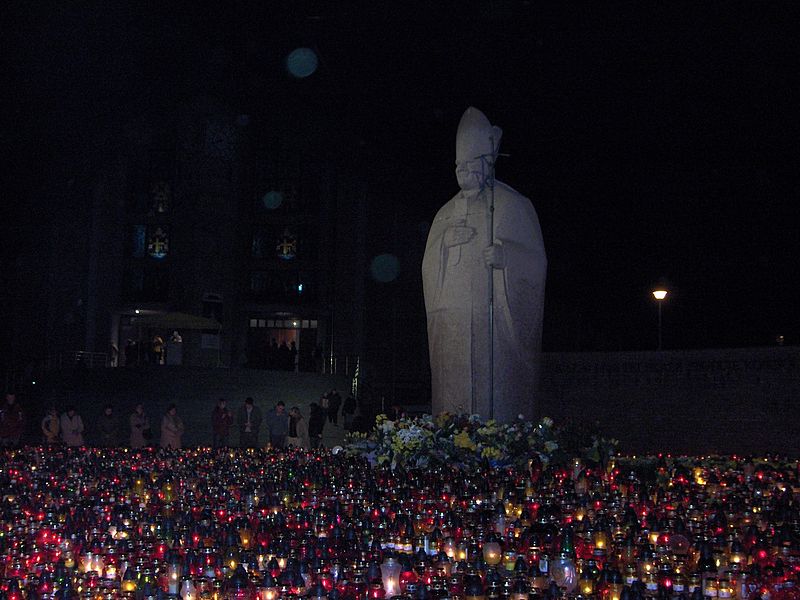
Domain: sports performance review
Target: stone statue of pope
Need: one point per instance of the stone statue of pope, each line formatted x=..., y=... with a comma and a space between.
x=466, y=246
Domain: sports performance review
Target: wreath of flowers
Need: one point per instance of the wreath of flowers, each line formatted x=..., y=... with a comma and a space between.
x=464, y=441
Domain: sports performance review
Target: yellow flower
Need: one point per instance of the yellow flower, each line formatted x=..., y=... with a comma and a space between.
x=491, y=452
x=462, y=440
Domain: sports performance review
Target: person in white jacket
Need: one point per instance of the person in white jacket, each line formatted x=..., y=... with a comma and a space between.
x=171, y=428
x=298, y=429
x=72, y=428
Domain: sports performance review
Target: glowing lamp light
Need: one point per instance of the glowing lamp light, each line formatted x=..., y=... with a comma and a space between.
x=302, y=62
x=615, y=591
x=600, y=539
x=461, y=552
x=173, y=578
x=509, y=560
x=646, y=566
x=492, y=553
x=268, y=590
x=565, y=574
x=129, y=581
x=449, y=547
x=98, y=564
x=188, y=591
x=711, y=587
x=725, y=589
x=376, y=591
x=390, y=576
x=738, y=558
x=653, y=537
x=586, y=584
x=85, y=564
x=659, y=294
x=245, y=537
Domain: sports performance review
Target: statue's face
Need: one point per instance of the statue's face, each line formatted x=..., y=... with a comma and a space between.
x=470, y=174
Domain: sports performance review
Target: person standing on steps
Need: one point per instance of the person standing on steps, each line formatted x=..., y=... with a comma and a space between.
x=334, y=402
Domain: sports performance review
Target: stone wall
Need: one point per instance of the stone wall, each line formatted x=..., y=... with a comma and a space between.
x=698, y=401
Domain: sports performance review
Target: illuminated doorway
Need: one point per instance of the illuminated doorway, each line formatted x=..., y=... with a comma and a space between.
x=282, y=344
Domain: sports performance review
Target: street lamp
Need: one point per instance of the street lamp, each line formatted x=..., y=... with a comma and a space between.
x=659, y=295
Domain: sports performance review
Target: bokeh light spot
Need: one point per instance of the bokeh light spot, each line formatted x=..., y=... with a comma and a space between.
x=385, y=268
x=272, y=200
x=301, y=62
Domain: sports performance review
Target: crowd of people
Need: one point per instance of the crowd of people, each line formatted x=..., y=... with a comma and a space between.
x=283, y=427
x=138, y=352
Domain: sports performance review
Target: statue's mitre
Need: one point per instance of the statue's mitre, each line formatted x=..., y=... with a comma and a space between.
x=476, y=137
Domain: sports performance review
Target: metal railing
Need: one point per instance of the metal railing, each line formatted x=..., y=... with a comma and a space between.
x=77, y=358
x=346, y=364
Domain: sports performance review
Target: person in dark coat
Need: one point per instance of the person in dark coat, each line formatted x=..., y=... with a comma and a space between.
x=349, y=411
x=278, y=423
x=284, y=357
x=316, y=423
x=107, y=428
x=12, y=422
x=334, y=402
x=221, y=420
x=249, y=419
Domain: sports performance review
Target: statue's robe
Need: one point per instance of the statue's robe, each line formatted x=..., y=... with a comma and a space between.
x=456, y=288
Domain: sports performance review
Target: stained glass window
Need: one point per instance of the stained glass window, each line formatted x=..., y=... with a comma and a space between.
x=158, y=243
x=287, y=245
x=296, y=241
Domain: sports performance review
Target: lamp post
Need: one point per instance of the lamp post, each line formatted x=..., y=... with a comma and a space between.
x=659, y=295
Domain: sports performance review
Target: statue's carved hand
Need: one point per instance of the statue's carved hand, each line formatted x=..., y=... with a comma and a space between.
x=494, y=256
x=457, y=235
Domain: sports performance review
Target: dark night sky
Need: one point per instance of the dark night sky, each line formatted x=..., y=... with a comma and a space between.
x=657, y=141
